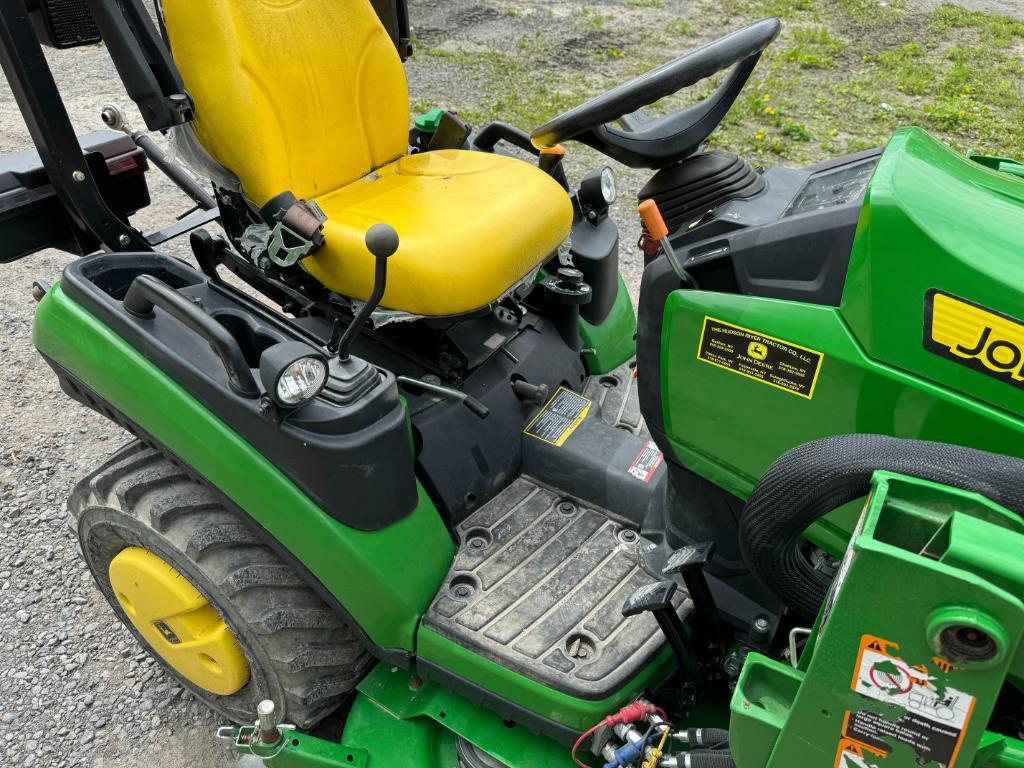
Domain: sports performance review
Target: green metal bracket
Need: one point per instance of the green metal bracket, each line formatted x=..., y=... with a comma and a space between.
x=922, y=629
x=399, y=719
x=1001, y=164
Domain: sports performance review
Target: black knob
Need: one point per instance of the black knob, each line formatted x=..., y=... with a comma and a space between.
x=381, y=240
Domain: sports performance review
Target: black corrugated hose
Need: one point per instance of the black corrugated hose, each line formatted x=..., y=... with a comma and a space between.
x=816, y=478
x=706, y=758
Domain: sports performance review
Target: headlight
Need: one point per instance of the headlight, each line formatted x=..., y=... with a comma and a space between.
x=301, y=380
x=598, y=190
x=608, y=190
x=292, y=373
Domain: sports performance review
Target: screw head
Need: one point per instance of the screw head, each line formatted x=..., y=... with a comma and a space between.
x=124, y=240
x=761, y=624
x=78, y=176
x=463, y=591
x=567, y=508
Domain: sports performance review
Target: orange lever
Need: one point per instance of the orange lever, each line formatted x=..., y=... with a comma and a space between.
x=652, y=219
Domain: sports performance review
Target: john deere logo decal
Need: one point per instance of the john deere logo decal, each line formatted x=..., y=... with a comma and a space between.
x=167, y=632
x=967, y=333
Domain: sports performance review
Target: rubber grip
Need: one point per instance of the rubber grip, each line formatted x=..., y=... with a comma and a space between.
x=652, y=219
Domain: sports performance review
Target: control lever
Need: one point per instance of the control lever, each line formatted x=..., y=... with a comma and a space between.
x=382, y=241
x=656, y=598
x=467, y=400
x=656, y=227
x=689, y=562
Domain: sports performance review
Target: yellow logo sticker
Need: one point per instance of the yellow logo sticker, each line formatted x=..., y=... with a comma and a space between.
x=979, y=338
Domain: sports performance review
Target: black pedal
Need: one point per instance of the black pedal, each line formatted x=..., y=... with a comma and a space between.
x=657, y=599
x=689, y=562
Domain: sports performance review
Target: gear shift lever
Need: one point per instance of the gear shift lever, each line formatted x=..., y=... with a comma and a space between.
x=382, y=241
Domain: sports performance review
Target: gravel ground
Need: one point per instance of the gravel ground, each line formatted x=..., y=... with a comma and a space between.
x=76, y=690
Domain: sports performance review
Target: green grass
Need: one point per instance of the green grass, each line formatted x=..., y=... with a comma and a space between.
x=842, y=77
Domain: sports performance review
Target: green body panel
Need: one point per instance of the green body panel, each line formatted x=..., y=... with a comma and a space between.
x=729, y=428
x=385, y=579
x=562, y=708
x=925, y=558
x=933, y=219
x=614, y=341
x=876, y=375
x=399, y=720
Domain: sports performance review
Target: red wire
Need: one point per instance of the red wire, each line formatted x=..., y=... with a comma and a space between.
x=579, y=741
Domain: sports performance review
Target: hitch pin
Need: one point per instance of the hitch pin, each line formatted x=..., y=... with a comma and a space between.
x=655, y=223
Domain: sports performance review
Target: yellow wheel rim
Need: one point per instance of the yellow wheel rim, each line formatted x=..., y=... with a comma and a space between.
x=178, y=622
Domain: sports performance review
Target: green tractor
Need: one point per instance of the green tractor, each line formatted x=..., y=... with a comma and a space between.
x=411, y=483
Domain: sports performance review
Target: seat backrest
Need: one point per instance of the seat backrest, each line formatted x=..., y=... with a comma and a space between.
x=297, y=95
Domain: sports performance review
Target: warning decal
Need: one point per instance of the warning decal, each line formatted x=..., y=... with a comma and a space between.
x=772, y=361
x=646, y=462
x=934, y=714
x=565, y=411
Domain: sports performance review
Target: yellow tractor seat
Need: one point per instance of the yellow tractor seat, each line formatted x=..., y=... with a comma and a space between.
x=309, y=97
x=471, y=225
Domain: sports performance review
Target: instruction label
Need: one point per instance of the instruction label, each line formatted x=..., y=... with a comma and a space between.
x=559, y=418
x=932, y=715
x=646, y=462
x=771, y=361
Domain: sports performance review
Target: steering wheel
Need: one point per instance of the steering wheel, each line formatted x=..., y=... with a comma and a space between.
x=654, y=143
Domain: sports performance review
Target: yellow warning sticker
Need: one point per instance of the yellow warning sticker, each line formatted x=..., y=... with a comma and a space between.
x=760, y=357
x=559, y=418
x=972, y=335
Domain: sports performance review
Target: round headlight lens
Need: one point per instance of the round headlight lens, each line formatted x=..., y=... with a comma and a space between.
x=608, y=189
x=301, y=380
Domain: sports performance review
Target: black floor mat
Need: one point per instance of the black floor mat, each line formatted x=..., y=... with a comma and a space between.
x=538, y=586
x=617, y=395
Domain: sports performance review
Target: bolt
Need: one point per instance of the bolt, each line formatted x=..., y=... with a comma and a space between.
x=476, y=543
x=761, y=624
x=124, y=240
x=78, y=176
x=567, y=508
x=415, y=683
x=626, y=536
x=267, y=722
x=463, y=591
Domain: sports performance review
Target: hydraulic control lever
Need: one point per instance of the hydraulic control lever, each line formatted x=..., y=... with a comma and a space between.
x=382, y=241
x=657, y=599
x=658, y=230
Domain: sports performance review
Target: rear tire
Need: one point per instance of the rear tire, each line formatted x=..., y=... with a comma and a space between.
x=300, y=654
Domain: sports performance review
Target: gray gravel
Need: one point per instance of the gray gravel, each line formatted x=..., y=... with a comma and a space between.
x=75, y=688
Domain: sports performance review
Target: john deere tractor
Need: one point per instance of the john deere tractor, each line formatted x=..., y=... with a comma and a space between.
x=405, y=462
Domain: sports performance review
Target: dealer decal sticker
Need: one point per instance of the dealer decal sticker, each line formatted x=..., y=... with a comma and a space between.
x=766, y=359
x=926, y=713
x=974, y=336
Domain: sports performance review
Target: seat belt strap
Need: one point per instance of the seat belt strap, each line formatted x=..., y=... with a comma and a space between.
x=296, y=228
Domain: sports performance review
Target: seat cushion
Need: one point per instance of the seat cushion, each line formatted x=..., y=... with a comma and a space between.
x=471, y=224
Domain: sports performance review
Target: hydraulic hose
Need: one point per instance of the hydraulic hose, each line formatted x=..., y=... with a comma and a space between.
x=818, y=477
x=706, y=737
x=705, y=758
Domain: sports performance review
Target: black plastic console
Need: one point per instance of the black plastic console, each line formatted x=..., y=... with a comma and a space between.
x=353, y=458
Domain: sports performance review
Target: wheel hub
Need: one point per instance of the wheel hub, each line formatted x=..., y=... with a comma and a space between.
x=178, y=622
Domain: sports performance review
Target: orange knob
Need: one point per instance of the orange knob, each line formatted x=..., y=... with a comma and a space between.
x=652, y=219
